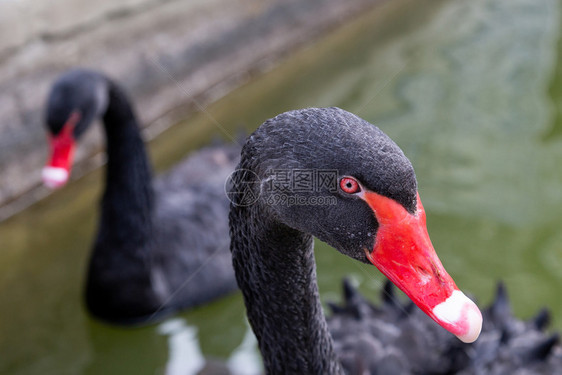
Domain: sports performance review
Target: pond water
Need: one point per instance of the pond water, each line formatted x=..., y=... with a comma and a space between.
x=471, y=91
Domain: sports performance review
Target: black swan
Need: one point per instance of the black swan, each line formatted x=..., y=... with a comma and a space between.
x=160, y=247
x=326, y=172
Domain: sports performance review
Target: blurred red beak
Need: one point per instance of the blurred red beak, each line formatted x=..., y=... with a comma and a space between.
x=55, y=174
x=404, y=253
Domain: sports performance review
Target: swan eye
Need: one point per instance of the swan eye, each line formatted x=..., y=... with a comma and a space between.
x=349, y=185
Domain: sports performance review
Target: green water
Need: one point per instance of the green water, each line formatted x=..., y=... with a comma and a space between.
x=471, y=91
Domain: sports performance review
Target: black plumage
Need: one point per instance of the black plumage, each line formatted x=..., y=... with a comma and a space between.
x=402, y=335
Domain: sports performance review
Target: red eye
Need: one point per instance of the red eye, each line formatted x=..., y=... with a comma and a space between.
x=349, y=185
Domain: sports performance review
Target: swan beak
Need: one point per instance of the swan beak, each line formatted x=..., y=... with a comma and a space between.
x=55, y=174
x=404, y=253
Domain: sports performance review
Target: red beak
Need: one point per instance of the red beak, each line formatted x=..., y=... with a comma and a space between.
x=404, y=253
x=55, y=174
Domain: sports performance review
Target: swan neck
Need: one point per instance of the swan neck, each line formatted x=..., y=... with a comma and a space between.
x=128, y=199
x=276, y=272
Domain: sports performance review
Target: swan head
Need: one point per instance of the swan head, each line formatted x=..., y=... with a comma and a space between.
x=76, y=99
x=327, y=172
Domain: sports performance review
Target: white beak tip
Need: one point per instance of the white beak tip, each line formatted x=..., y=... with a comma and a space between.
x=460, y=316
x=54, y=177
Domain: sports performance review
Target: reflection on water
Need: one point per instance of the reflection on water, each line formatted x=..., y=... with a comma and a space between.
x=470, y=90
x=186, y=358
x=245, y=360
x=184, y=353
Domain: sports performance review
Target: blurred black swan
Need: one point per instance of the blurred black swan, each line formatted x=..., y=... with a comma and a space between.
x=160, y=247
x=326, y=172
